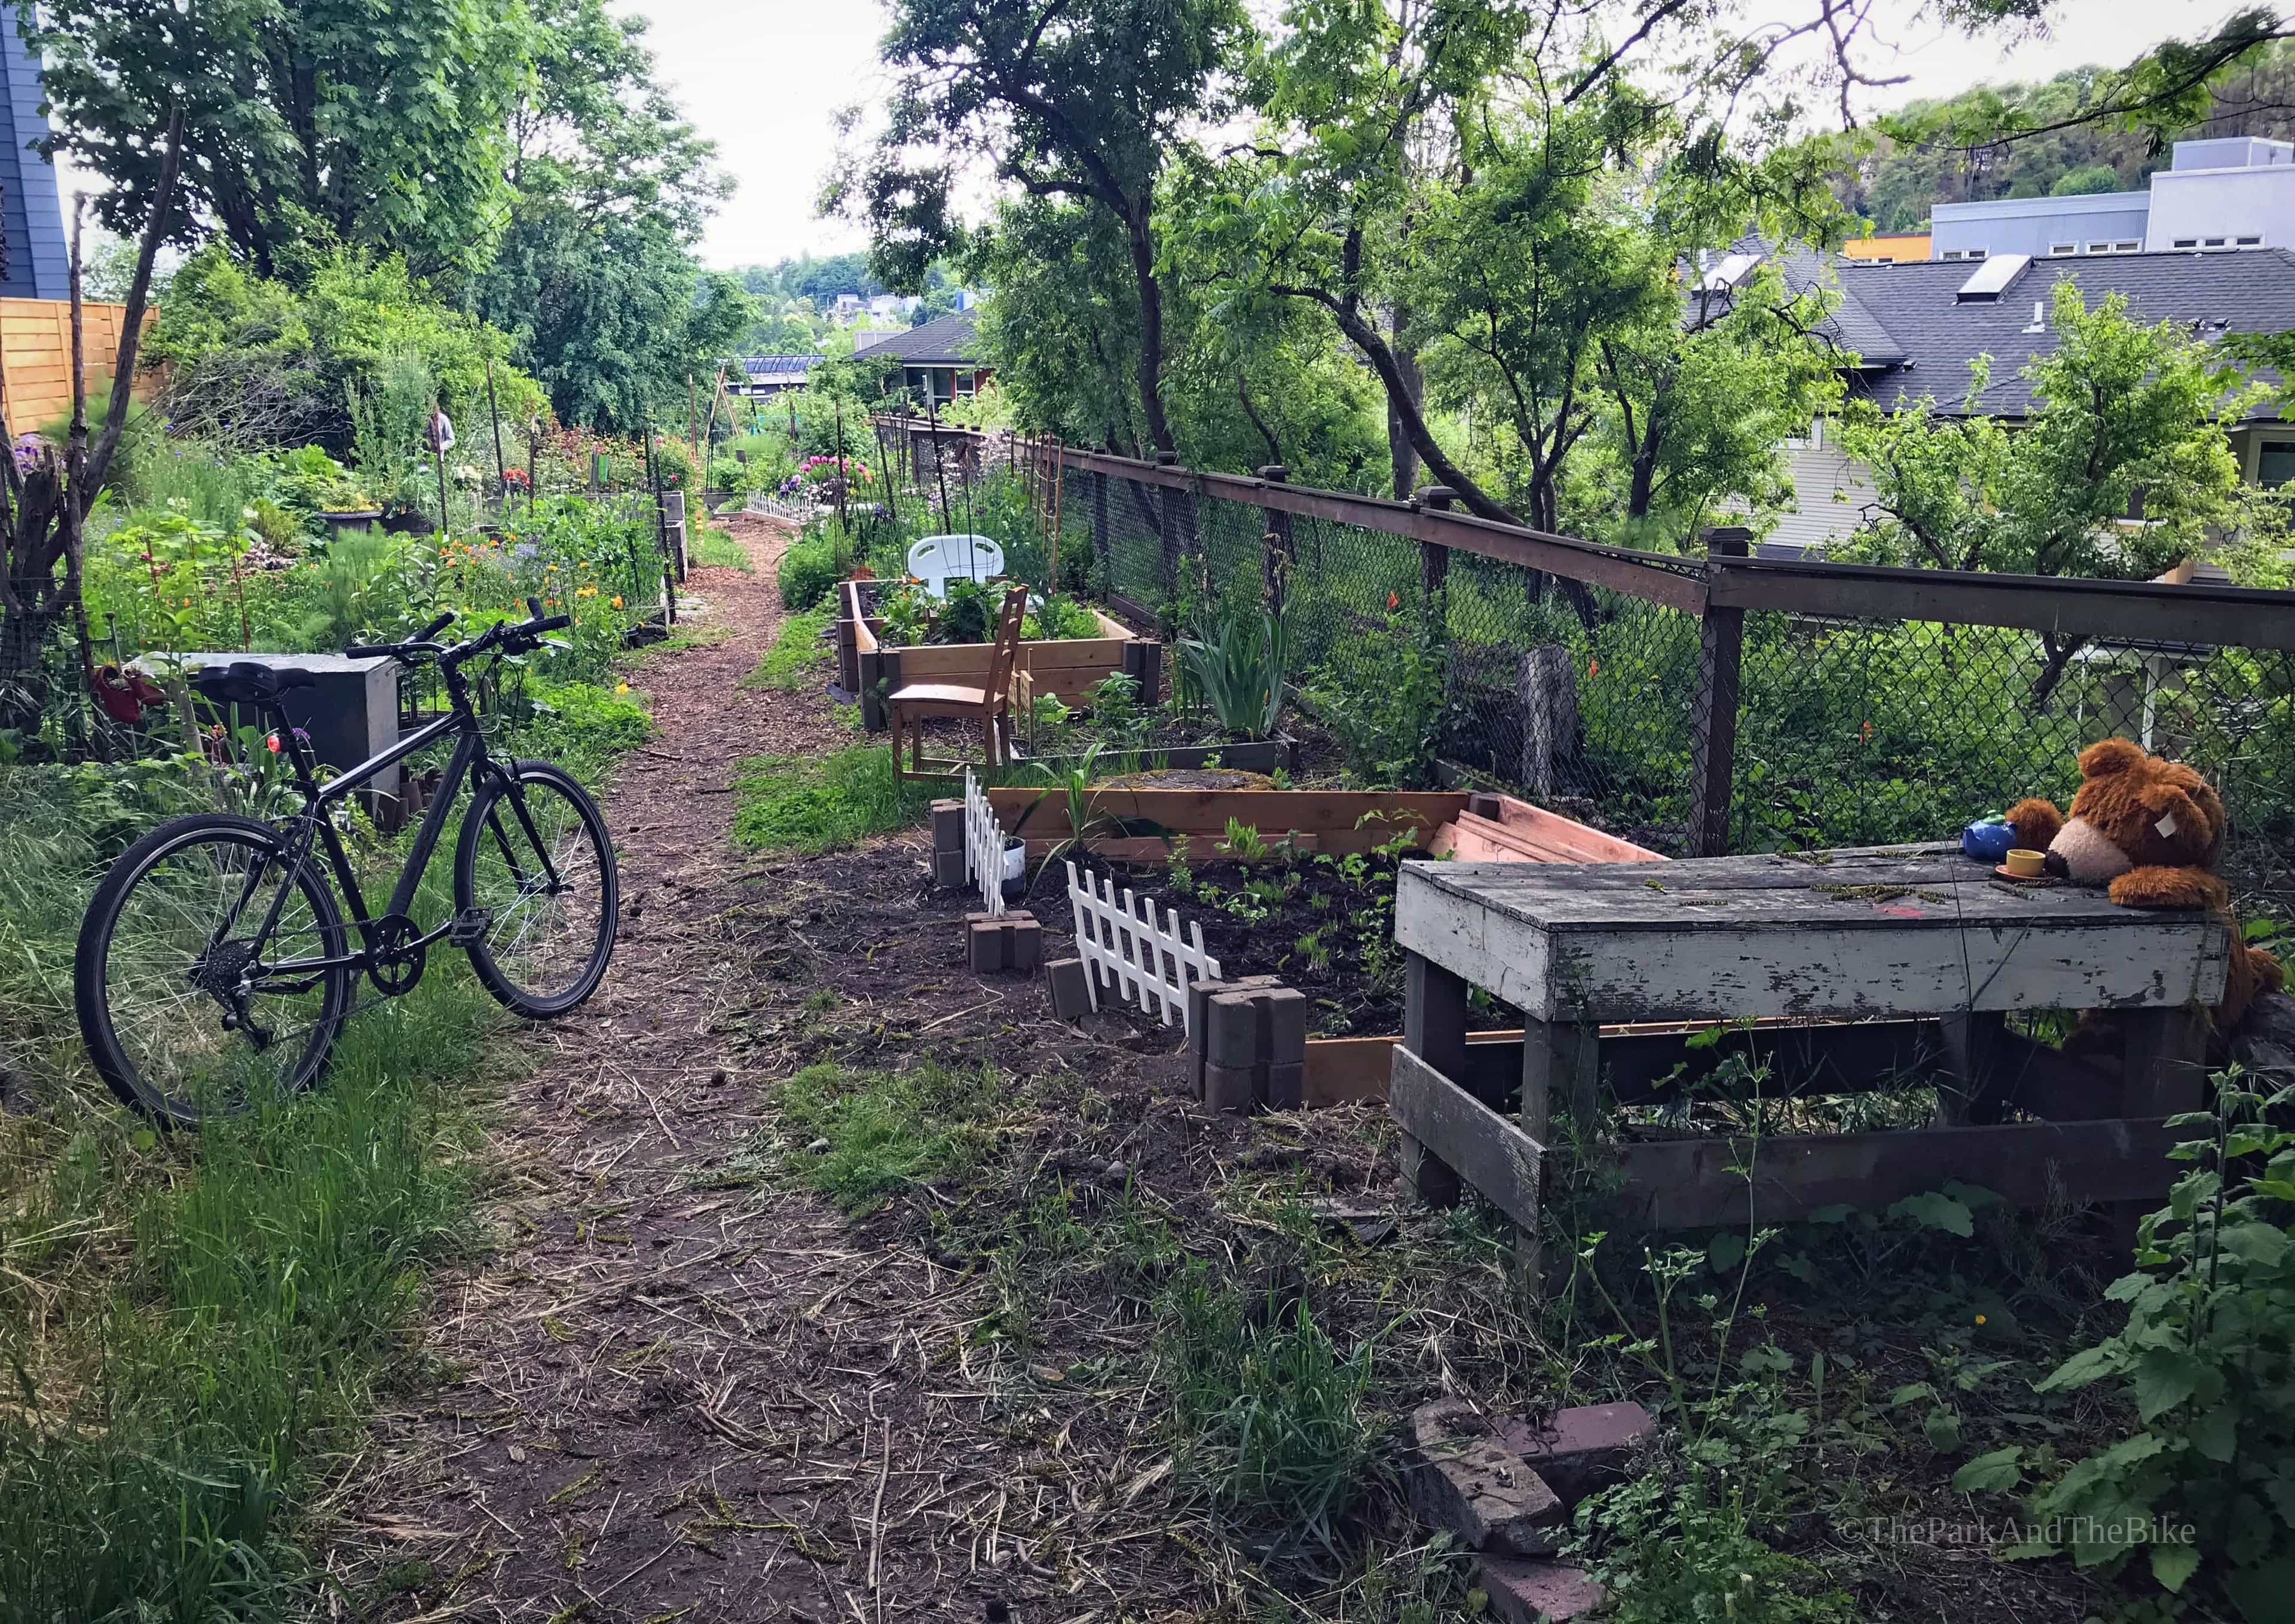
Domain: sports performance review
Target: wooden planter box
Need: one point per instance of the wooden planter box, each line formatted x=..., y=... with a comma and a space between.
x=1068, y=667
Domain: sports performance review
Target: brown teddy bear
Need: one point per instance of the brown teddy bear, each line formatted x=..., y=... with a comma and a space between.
x=2149, y=830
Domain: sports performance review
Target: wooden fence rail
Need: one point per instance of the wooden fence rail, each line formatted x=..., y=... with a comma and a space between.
x=36, y=357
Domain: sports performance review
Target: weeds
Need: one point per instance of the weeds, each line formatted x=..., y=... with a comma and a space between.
x=712, y=548
x=881, y=1133
x=811, y=804
x=797, y=660
x=1270, y=1415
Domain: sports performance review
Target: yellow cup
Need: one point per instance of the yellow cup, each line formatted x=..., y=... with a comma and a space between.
x=2027, y=864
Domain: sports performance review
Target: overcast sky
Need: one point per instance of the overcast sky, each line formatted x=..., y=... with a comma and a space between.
x=762, y=80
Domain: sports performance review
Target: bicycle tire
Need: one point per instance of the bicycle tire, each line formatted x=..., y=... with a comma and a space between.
x=491, y=828
x=96, y=979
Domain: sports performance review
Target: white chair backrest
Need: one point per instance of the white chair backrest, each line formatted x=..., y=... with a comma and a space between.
x=938, y=560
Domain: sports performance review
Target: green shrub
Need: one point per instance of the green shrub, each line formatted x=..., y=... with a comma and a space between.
x=1382, y=694
x=810, y=570
x=2207, y=1358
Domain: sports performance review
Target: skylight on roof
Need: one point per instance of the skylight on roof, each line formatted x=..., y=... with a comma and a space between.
x=1992, y=279
x=1731, y=270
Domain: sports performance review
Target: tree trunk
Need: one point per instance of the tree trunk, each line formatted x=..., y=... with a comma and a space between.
x=1401, y=455
x=1151, y=330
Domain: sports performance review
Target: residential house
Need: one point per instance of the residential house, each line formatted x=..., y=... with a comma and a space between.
x=939, y=361
x=764, y=376
x=35, y=263
x=1914, y=329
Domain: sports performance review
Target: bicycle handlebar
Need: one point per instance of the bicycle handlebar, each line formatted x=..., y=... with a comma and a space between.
x=517, y=637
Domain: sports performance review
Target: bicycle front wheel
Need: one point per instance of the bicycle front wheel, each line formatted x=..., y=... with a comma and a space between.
x=535, y=884
x=180, y=1005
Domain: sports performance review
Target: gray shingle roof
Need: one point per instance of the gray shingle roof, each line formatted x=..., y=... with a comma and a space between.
x=948, y=340
x=1924, y=339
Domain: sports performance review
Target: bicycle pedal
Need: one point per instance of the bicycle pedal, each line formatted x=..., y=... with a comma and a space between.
x=471, y=927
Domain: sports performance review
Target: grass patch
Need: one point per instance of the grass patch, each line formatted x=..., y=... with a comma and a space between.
x=887, y=1130
x=1270, y=1416
x=193, y=1327
x=711, y=547
x=798, y=659
x=812, y=804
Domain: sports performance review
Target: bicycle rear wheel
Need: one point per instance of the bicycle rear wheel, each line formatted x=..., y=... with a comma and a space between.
x=545, y=927
x=174, y=1008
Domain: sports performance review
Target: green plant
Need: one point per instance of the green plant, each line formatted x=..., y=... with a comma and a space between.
x=819, y=803
x=1238, y=665
x=812, y=567
x=1113, y=702
x=1383, y=694
x=1270, y=1415
x=968, y=613
x=2207, y=1358
x=886, y=1131
x=797, y=659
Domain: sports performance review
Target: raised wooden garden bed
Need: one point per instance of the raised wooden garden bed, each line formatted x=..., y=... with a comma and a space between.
x=1471, y=826
x=1068, y=667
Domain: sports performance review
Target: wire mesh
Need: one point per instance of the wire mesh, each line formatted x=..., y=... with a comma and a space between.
x=1578, y=696
x=1861, y=731
x=1849, y=731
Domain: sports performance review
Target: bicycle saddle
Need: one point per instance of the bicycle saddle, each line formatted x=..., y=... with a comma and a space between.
x=245, y=682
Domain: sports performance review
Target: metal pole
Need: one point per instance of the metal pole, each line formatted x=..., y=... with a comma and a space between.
x=843, y=479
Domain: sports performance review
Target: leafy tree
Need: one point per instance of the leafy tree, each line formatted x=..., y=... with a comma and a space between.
x=594, y=274
x=1076, y=99
x=374, y=123
x=2123, y=469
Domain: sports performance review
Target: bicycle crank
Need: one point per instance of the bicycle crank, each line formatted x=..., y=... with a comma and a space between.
x=399, y=955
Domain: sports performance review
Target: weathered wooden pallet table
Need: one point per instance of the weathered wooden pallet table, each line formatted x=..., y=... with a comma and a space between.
x=1894, y=941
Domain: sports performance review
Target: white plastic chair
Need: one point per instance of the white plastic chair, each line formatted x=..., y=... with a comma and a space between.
x=938, y=559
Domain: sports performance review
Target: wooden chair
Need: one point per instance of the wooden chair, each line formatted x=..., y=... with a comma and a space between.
x=910, y=704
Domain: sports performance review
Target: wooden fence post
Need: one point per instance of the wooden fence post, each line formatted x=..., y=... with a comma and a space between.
x=1713, y=746
x=1433, y=557
x=1277, y=553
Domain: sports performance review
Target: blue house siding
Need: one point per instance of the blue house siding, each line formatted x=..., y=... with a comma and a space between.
x=30, y=214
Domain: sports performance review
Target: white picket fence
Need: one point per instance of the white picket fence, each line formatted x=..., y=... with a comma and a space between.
x=768, y=505
x=983, y=846
x=1153, y=965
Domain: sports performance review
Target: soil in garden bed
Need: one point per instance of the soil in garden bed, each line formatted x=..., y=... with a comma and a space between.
x=1323, y=924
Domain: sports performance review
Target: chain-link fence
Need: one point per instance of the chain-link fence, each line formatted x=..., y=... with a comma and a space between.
x=1850, y=727
x=1858, y=732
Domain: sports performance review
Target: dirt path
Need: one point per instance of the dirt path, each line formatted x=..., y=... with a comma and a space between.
x=679, y=1389
x=603, y=1451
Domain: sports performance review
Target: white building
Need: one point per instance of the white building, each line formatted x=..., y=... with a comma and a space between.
x=2219, y=195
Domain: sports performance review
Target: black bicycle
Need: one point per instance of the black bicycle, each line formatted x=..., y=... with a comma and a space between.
x=215, y=966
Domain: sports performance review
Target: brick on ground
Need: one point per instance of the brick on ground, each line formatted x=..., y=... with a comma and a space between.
x=1463, y=1477
x=1535, y=1592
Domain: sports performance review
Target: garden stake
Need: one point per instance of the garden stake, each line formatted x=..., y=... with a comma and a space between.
x=443, y=529
x=493, y=412
x=843, y=478
x=940, y=460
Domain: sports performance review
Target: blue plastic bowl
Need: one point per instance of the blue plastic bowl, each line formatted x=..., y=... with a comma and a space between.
x=1989, y=840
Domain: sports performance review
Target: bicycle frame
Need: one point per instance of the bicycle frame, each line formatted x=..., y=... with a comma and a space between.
x=471, y=759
